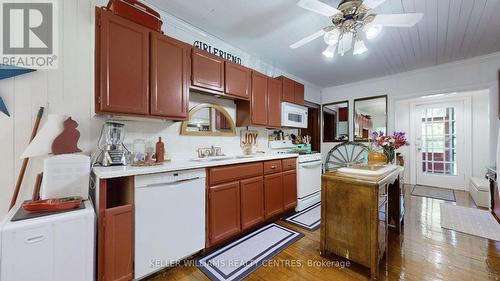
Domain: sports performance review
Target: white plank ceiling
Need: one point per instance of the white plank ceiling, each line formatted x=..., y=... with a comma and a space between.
x=450, y=30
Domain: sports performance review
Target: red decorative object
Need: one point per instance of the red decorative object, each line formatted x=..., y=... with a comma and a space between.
x=67, y=141
x=160, y=151
x=137, y=12
x=51, y=205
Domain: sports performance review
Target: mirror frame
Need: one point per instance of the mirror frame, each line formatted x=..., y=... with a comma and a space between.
x=200, y=106
x=323, y=121
x=354, y=115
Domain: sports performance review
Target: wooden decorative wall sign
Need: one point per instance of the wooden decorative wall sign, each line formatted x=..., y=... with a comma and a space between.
x=248, y=137
x=67, y=141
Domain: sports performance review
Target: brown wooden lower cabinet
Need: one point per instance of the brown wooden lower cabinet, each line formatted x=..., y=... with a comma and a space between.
x=273, y=190
x=115, y=253
x=252, y=202
x=290, y=189
x=118, y=247
x=223, y=212
x=241, y=197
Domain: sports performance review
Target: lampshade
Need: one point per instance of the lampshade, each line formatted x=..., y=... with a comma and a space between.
x=345, y=43
x=329, y=51
x=42, y=143
x=372, y=31
x=359, y=47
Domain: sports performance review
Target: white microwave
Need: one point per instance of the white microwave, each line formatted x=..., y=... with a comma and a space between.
x=293, y=115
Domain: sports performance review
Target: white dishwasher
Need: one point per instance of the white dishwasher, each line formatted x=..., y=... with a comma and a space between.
x=169, y=219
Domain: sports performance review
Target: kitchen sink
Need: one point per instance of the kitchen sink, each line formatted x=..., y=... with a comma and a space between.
x=212, y=158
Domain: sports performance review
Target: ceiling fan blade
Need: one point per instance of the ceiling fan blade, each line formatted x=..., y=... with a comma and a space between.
x=307, y=39
x=372, y=4
x=398, y=20
x=318, y=7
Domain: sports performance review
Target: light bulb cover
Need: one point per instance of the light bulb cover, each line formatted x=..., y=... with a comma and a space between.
x=331, y=37
x=359, y=47
x=329, y=52
x=372, y=31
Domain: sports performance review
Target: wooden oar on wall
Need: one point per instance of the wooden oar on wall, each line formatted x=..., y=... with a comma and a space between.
x=25, y=160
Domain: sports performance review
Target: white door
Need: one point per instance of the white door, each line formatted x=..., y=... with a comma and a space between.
x=440, y=144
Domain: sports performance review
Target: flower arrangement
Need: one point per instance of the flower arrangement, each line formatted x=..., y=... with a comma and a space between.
x=389, y=143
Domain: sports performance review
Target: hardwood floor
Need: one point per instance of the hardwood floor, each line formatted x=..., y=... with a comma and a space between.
x=424, y=251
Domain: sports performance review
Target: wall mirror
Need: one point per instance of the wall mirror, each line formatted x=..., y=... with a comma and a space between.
x=336, y=122
x=208, y=120
x=370, y=115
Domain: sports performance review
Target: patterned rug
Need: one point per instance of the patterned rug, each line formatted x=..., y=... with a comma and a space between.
x=470, y=221
x=309, y=218
x=237, y=260
x=434, y=192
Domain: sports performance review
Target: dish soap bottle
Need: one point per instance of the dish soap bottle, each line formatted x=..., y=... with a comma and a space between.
x=160, y=151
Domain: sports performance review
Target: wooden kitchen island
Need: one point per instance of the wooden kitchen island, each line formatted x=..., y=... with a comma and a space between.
x=355, y=215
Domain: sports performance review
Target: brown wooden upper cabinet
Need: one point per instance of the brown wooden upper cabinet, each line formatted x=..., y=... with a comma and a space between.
x=122, y=65
x=264, y=108
x=238, y=80
x=299, y=93
x=169, y=77
x=292, y=91
x=259, y=99
x=274, y=103
x=138, y=71
x=207, y=71
x=288, y=94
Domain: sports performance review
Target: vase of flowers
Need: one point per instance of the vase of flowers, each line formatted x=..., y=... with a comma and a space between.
x=389, y=144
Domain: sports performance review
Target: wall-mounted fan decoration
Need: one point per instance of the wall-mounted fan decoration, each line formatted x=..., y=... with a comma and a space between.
x=352, y=23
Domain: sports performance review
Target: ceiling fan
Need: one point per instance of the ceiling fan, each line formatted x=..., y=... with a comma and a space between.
x=350, y=21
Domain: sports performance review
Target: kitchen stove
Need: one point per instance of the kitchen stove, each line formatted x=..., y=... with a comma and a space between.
x=309, y=167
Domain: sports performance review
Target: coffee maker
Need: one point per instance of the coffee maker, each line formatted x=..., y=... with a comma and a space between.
x=112, y=150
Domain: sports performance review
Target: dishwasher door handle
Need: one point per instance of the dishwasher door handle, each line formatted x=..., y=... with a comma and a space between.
x=172, y=183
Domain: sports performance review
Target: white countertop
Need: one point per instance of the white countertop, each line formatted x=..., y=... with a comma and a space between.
x=177, y=165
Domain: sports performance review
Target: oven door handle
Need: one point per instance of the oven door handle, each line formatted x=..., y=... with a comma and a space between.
x=311, y=165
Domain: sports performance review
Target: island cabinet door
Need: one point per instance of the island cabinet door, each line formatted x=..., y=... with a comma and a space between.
x=207, y=70
x=223, y=212
x=169, y=77
x=273, y=193
x=122, y=65
x=274, y=103
x=238, y=80
x=290, y=189
x=252, y=202
x=259, y=99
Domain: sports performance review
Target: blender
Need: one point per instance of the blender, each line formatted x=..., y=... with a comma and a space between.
x=112, y=150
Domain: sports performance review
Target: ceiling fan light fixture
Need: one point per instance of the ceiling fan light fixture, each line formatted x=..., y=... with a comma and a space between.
x=329, y=52
x=345, y=43
x=359, y=47
x=372, y=31
x=331, y=37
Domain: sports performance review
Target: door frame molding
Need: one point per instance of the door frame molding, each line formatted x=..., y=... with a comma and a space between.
x=467, y=111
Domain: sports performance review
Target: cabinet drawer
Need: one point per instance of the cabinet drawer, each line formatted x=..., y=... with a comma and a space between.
x=271, y=167
x=289, y=164
x=234, y=172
